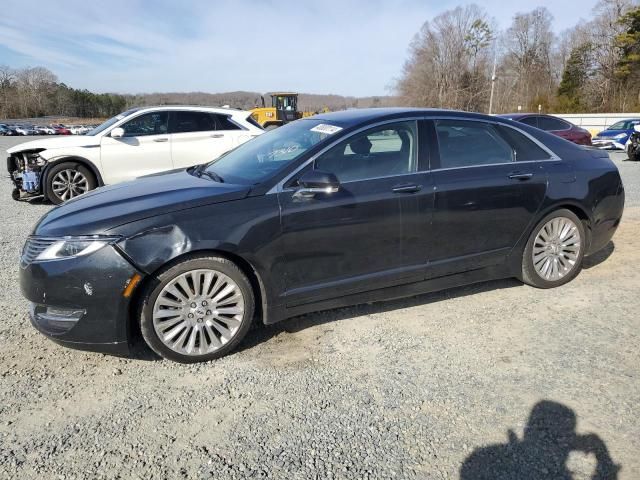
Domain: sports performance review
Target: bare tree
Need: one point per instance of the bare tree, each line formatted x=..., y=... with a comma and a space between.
x=606, y=91
x=7, y=77
x=448, y=61
x=525, y=67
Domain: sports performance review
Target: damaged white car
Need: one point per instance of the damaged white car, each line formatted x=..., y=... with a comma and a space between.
x=138, y=142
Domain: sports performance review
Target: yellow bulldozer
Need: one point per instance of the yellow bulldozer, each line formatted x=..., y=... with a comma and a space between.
x=283, y=109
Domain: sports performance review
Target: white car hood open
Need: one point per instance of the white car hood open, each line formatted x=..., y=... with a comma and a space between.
x=58, y=142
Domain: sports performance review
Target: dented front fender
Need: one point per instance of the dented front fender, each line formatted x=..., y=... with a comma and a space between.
x=152, y=248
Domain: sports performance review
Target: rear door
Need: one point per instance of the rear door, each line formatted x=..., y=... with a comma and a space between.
x=236, y=134
x=195, y=138
x=489, y=184
x=144, y=149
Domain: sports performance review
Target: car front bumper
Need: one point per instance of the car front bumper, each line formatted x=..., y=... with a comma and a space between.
x=26, y=175
x=606, y=144
x=80, y=302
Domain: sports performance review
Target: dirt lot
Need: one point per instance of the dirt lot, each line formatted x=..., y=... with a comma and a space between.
x=404, y=389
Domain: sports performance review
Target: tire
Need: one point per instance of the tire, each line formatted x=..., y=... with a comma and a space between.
x=562, y=252
x=81, y=180
x=196, y=332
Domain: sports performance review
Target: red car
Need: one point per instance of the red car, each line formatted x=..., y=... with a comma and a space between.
x=554, y=125
x=61, y=130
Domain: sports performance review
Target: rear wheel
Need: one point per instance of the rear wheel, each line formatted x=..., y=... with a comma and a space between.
x=553, y=255
x=197, y=310
x=68, y=180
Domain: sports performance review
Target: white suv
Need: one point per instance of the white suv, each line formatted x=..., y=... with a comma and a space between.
x=137, y=142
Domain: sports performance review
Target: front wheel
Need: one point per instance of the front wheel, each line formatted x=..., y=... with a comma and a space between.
x=67, y=180
x=197, y=310
x=554, y=252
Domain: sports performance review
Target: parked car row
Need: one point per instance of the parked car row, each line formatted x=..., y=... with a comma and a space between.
x=615, y=137
x=333, y=210
x=53, y=129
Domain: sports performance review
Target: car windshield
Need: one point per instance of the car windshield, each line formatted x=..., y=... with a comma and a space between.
x=624, y=125
x=103, y=126
x=254, y=161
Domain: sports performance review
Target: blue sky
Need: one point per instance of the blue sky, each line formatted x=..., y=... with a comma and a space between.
x=329, y=46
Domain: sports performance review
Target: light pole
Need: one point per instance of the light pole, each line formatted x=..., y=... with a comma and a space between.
x=493, y=83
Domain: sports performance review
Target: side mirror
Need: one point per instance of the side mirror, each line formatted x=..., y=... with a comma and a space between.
x=636, y=128
x=117, y=132
x=316, y=182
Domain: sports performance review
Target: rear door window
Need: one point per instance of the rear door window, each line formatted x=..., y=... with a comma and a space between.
x=464, y=143
x=223, y=122
x=531, y=121
x=186, y=121
x=552, y=124
x=525, y=149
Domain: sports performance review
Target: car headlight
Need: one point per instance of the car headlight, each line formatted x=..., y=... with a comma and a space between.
x=70, y=247
x=620, y=136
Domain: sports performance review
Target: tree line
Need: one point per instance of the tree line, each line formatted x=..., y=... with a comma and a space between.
x=248, y=100
x=456, y=58
x=35, y=92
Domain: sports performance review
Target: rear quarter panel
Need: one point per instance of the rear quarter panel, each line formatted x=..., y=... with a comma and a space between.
x=596, y=189
x=587, y=179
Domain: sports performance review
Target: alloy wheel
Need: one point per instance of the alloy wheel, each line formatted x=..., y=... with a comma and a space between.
x=69, y=183
x=556, y=249
x=198, y=312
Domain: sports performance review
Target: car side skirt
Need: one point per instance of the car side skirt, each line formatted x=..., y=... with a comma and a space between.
x=494, y=272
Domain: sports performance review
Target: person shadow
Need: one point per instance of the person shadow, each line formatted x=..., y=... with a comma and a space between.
x=548, y=439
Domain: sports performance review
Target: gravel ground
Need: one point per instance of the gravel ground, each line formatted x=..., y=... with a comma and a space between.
x=414, y=388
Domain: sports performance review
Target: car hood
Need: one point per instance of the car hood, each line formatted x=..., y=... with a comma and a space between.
x=108, y=207
x=58, y=142
x=611, y=133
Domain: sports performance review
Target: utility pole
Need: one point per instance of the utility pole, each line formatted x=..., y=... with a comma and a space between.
x=493, y=83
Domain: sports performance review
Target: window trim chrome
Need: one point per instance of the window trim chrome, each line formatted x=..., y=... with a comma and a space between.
x=552, y=156
x=279, y=187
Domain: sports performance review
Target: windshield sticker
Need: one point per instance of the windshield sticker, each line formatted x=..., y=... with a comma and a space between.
x=324, y=128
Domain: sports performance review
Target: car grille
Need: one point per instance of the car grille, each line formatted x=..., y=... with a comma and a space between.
x=33, y=247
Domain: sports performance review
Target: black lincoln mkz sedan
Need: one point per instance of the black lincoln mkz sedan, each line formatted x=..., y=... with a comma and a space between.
x=338, y=209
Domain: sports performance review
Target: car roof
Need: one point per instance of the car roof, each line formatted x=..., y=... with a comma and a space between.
x=627, y=120
x=364, y=115
x=519, y=115
x=227, y=111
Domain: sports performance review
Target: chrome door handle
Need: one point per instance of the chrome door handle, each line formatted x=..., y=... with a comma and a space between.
x=410, y=188
x=520, y=176
x=160, y=140
x=216, y=135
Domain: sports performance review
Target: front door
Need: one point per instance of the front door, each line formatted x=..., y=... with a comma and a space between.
x=352, y=240
x=144, y=149
x=490, y=182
